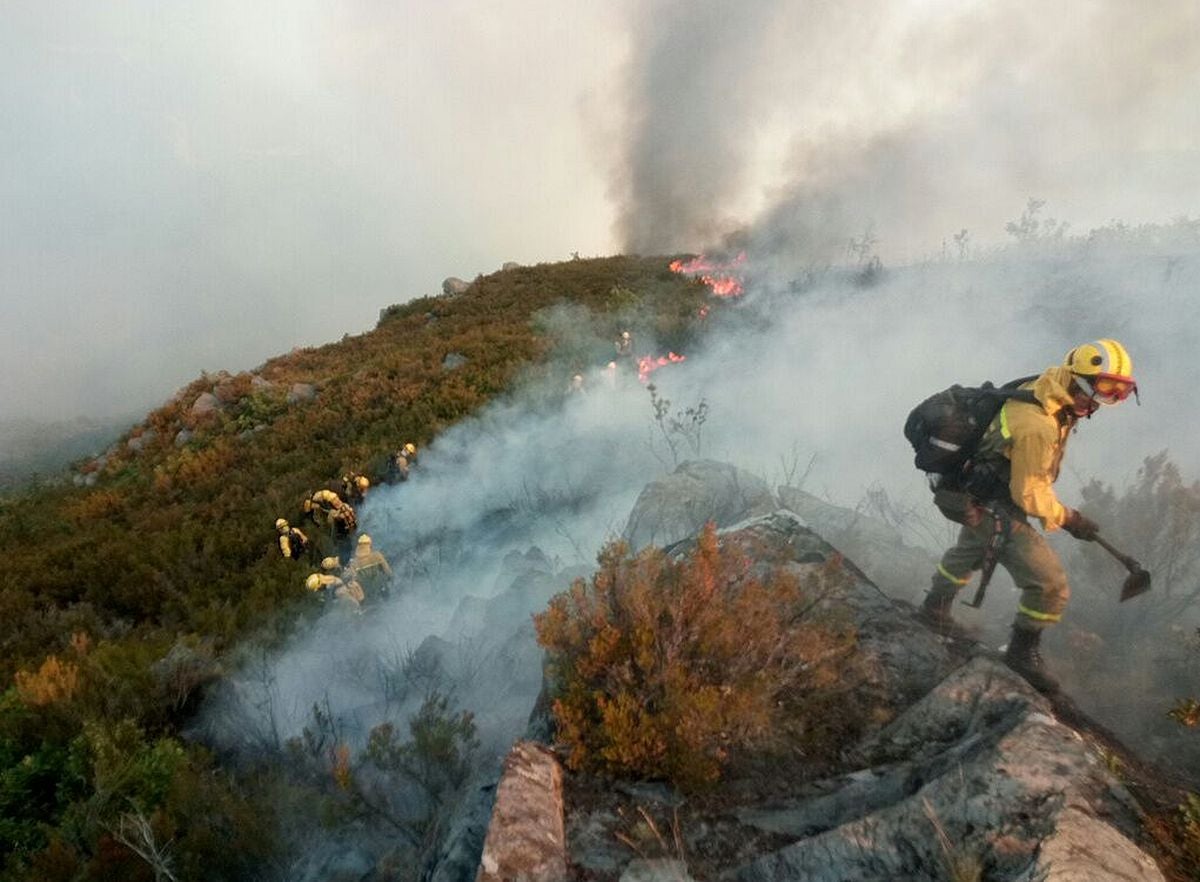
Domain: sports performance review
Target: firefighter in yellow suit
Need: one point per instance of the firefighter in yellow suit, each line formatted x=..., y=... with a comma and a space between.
x=1012, y=479
x=370, y=568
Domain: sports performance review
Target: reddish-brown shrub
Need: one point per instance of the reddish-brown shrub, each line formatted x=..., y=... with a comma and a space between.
x=663, y=668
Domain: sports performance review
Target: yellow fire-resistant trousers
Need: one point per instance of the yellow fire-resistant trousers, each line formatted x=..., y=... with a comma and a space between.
x=1029, y=559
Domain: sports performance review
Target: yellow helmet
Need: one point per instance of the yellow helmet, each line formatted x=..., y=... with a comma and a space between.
x=410, y=448
x=282, y=525
x=1103, y=369
x=313, y=582
x=364, y=539
x=329, y=564
x=362, y=482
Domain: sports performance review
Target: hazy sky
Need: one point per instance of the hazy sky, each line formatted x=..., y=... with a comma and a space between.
x=202, y=186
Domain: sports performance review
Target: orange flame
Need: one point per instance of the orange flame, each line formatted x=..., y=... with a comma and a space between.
x=648, y=364
x=722, y=278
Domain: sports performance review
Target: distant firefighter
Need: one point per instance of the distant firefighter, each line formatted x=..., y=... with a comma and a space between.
x=400, y=462
x=624, y=345
x=576, y=384
x=327, y=510
x=327, y=585
x=321, y=506
x=355, y=486
x=292, y=542
x=370, y=568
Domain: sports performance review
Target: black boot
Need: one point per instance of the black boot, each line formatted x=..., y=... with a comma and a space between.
x=935, y=609
x=1024, y=658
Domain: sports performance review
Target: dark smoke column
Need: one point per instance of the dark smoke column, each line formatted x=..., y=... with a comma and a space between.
x=691, y=95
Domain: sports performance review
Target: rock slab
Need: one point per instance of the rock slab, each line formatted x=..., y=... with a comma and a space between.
x=526, y=841
x=677, y=507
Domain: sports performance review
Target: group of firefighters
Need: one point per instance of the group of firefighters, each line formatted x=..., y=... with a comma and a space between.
x=624, y=350
x=366, y=575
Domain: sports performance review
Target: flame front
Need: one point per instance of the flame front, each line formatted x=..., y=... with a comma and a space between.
x=722, y=278
x=648, y=364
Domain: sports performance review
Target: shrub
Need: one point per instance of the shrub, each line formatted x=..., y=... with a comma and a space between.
x=661, y=668
x=55, y=681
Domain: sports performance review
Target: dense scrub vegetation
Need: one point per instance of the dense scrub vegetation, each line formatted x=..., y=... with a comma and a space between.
x=123, y=594
x=1148, y=650
x=663, y=669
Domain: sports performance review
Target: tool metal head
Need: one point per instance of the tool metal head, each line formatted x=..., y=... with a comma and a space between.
x=1137, y=582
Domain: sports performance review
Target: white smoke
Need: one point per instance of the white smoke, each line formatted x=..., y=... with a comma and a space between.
x=829, y=370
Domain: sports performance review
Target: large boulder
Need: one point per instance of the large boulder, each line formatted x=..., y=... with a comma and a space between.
x=454, y=285
x=205, y=404
x=453, y=361
x=301, y=392
x=142, y=441
x=677, y=506
x=978, y=771
x=876, y=547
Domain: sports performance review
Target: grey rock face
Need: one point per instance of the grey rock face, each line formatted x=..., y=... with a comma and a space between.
x=459, y=860
x=205, y=403
x=454, y=285
x=876, y=547
x=301, y=392
x=453, y=360
x=982, y=759
x=676, y=507
x=510, y=265
x=260, y=382
x=138, y=444
x=656, y=870
x=525, y=839
x=183, y=436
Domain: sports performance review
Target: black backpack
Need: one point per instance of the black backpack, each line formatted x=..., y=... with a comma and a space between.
x=945, y=428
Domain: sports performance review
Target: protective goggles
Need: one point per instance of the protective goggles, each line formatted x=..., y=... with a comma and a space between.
x=1110, y=388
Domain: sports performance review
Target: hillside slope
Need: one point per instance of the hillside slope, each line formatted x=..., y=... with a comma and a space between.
x=126, y=586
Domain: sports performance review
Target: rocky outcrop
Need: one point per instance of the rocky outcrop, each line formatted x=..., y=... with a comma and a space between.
x=876, y=547
x=453, y=360
x=961, y=769
x=301, y=392
x=677, y=506
x=976, y=773
x=205, y=404
x=510, y=265
x=142, y=441
x=525, y=840
x=454, y=285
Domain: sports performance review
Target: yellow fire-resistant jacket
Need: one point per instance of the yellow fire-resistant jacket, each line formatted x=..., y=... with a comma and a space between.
x=327, y=499
x=341, y=590
x=1033, y=438
x=368, y=564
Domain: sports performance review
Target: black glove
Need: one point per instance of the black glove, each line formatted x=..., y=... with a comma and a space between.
x=1080, y=525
